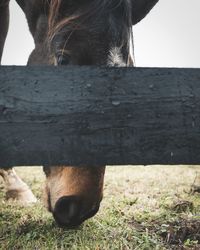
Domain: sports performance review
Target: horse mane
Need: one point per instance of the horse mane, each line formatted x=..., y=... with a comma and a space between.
x=92, y=9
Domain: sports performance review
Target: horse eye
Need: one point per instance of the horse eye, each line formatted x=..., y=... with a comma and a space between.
x=62, y=59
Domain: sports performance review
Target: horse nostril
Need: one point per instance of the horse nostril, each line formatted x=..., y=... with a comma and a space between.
x=62, y=59
x=67, y=210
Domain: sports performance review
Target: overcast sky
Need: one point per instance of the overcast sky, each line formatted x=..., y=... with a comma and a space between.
x=168, y=37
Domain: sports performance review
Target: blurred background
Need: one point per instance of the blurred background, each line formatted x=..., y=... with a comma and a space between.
x=167, y=37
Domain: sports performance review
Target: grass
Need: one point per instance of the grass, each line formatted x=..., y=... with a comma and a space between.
x=143, y=208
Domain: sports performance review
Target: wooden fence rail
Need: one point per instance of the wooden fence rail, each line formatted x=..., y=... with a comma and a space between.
x=95, y=116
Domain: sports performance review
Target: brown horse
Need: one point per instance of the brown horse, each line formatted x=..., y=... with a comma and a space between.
x=74, y=32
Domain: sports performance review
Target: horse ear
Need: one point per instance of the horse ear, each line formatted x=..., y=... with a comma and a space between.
x=140, y=8
x=4, y=22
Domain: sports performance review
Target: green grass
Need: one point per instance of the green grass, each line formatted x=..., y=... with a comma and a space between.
x=143, y=208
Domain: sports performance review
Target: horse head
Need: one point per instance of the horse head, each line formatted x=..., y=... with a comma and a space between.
x=81, y=32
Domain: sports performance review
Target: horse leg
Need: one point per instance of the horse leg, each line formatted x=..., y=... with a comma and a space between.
x=16, y=188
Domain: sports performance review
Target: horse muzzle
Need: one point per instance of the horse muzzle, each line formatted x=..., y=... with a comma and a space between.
x=69, y=211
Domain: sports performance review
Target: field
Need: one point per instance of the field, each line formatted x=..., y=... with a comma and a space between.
x=151, y=207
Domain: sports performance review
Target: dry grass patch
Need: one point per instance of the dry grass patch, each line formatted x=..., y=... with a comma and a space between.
x=144, y=207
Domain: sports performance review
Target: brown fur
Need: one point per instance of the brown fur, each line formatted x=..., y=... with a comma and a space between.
x=84, y=182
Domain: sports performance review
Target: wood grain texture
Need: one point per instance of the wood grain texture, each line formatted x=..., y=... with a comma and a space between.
x=95, y=116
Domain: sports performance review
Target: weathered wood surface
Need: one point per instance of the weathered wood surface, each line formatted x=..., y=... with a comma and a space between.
x=95, y=116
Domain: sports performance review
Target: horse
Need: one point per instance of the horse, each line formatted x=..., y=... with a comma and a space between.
x=74, y=32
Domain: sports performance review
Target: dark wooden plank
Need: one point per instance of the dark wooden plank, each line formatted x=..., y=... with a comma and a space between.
x=95, y=116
